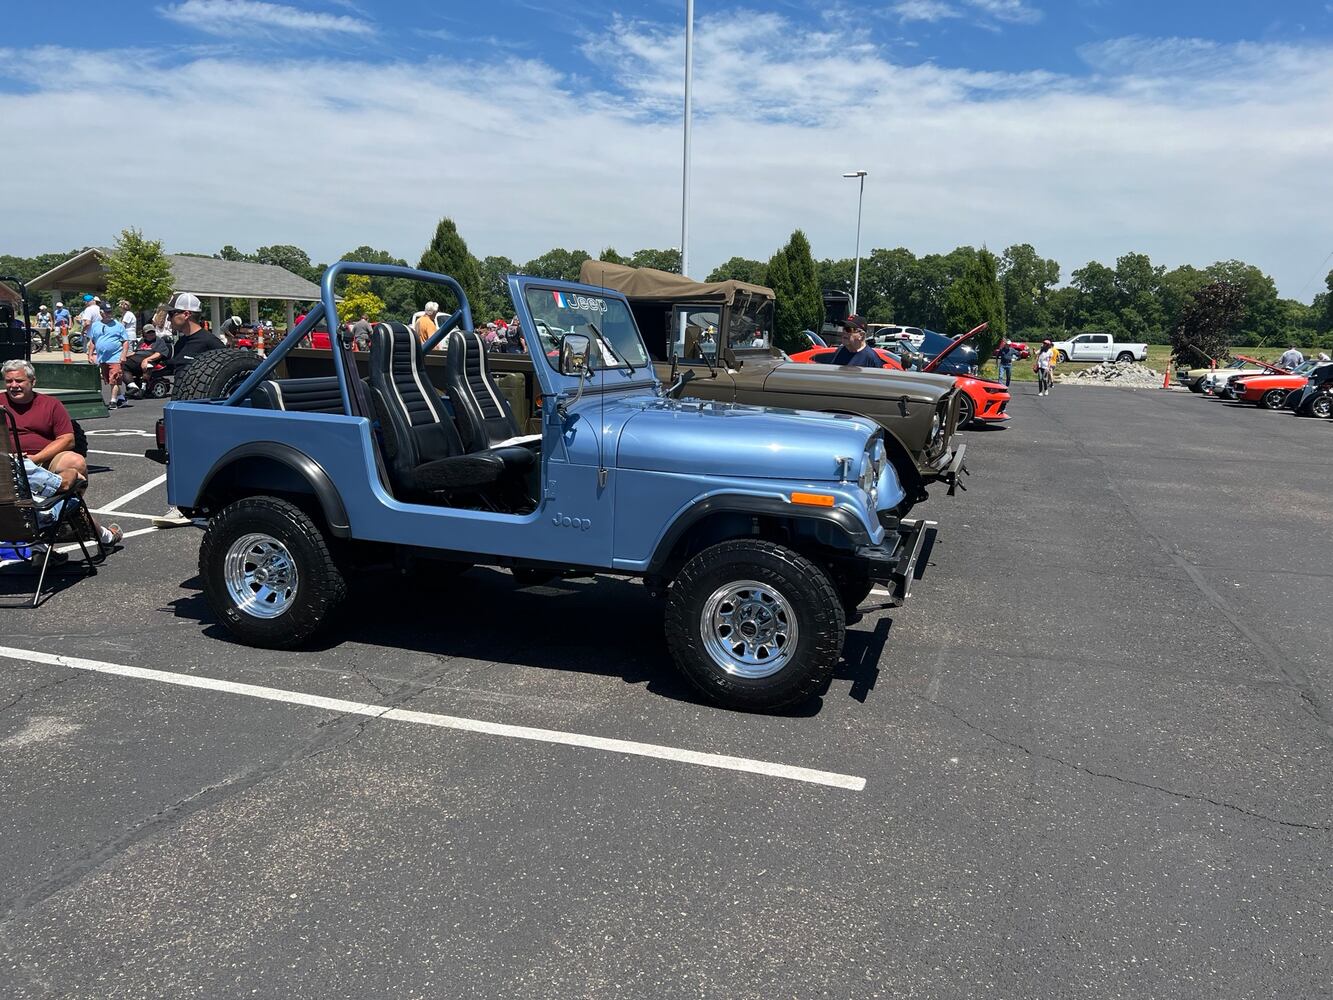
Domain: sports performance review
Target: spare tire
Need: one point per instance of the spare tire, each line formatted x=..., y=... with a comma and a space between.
x=215, y=375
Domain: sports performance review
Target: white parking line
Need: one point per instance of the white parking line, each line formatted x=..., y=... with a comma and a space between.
x=122, y=454
x=767, y=768
x=109, y=508
x=75, y=547
x=126, y=513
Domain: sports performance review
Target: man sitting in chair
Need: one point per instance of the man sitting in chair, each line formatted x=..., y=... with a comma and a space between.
x=45, y=484
x=46, y=434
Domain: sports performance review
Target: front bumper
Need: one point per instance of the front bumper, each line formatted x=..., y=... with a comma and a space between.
x=895, y=561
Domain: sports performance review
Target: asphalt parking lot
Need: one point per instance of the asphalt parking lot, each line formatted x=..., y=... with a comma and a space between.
x=1095, y=750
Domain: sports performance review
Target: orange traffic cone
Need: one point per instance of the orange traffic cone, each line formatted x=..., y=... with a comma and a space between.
x=1166, y=377
x=64, y=344
x=259, y=340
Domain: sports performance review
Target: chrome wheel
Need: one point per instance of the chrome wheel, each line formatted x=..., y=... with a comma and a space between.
x=260, y=576
x=749, y=629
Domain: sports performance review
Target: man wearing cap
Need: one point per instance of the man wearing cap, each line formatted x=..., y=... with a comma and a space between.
x=854, y=351
x=192, y=340
x=108, y=347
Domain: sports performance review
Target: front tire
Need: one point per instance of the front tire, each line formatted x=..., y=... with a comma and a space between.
x=268, y=573
x=1273, y=399
x=1320, y=405
x=1124, y=357
x=754, y=626
x=967, y=410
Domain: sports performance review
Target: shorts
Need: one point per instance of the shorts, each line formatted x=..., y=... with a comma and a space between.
x=111, y=373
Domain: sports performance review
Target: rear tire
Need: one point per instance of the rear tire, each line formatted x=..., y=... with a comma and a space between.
x=754, y=626
x=215, y=375
x=268, y=573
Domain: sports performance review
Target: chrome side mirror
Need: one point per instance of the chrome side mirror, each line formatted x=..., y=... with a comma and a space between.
x=574, y=350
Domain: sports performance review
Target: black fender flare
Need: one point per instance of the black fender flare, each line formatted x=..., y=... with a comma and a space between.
x=330, y=502
x=730, y=503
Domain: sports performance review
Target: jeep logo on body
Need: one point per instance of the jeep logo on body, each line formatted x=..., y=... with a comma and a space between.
x=565, y=521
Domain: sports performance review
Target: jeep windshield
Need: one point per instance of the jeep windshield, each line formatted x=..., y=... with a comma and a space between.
x=606, y=322
x=751, y=323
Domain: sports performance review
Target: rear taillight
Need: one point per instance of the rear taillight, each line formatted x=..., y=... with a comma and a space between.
x=160, y=433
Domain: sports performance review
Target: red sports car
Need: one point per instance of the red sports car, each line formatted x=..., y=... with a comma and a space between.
x=1270, y=391
x=824, y=356
x=982, y=399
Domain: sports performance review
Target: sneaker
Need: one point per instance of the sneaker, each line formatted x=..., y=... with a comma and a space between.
x=111, y=534
x=171, y=519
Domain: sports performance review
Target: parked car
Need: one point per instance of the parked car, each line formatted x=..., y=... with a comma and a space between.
x=1099, y=347
x=1218, y=382
x=1315, y=398
x=1269, y=392
x=825, y=356
x=880, y=334
x=721, y=331
x=1192, y=378
x=759, y=528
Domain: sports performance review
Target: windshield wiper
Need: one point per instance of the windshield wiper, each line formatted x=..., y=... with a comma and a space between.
x=608, y=349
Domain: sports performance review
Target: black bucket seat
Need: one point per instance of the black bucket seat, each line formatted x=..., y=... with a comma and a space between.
x=425, y=455
x=485, y=419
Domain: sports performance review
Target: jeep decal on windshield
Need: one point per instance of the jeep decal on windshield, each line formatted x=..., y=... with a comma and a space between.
x=580, y=302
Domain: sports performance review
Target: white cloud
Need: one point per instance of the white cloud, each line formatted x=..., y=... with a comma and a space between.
x=924, y=10
x=232, y=17
x=1012, y=11
x=1225, y=156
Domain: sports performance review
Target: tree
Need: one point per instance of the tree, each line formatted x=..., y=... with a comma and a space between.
x=663, y=260
x=229, y=252
x=495, y=299
x=448, y=254
x=358, y=300
x=1209, y=323
x=740, y=269
x=890, y=287
x=558, y=264
x=786, y=324
x=976, y=298
x=808, y=300
x=138, y=270
x=1026, y=280
x=292, y=258
x=1262, y=323
x=610, y=256
x=398, y=294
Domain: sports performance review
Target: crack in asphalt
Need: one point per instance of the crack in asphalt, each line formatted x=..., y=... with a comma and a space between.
x=1082, y=769
x=1294, y=676
x=42, y=687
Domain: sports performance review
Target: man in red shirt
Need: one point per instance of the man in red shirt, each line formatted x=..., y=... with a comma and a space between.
x=46, y=434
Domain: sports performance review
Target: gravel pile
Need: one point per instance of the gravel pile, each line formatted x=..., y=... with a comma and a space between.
x=1130, y=374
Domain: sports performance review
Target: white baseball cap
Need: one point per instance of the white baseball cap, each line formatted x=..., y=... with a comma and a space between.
x=184, y=302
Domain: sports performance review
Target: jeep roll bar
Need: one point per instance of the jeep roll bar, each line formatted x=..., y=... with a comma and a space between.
x=326, y=307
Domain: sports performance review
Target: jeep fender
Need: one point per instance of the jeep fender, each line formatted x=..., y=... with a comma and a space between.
x=269, y=466
x=899, y=455
x=836, y=522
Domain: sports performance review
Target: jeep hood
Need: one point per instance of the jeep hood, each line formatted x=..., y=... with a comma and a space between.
x=730, y=441
x=830, y=380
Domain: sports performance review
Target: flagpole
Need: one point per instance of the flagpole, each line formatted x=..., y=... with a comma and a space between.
x=685, y=179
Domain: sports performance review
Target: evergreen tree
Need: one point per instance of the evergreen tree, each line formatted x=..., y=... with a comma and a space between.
x=807, y=296
x=976, y=298
x=786, y=323
x=138, y=271
x=448, y=254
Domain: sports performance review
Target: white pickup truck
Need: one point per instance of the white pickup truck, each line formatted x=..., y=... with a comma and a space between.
x=1099, y=347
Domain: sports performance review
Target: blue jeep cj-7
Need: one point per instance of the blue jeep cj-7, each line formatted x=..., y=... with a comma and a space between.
x=763, y=529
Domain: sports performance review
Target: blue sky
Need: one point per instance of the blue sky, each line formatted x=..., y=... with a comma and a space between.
x=1189, y=130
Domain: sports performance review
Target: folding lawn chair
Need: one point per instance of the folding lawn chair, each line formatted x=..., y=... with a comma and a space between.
x=21, y=526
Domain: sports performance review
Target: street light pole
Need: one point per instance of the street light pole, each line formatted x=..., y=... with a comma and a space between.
x=856, y=285
x=685, y=178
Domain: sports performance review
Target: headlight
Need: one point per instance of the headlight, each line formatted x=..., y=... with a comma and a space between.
x=936, y=425
x=872, y=467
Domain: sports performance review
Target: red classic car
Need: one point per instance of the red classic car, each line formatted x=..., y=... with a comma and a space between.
x=1270, y=391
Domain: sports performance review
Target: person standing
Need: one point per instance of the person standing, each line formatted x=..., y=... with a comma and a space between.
x=1005, y=358
x=108, y=347
x=92, y=313
x=1045, y=367
x=129, y=320
x=854, y=351
x=1290, y=358
x=44, y=324
x=425, y=323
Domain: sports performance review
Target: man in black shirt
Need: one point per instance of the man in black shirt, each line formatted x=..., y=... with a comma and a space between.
x=854, y=351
